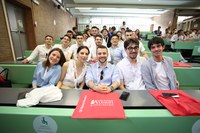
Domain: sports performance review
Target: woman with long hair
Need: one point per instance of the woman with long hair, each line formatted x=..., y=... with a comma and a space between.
x=48, y=72
x=73, y=71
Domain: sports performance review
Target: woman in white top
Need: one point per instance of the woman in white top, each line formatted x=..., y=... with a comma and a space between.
x=73, y=71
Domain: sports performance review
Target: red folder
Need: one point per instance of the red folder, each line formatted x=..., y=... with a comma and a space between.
x=100, y=106
x=185, y=105
x=181, y=64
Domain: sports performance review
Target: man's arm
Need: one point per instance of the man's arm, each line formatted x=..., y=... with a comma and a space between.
x=146, y=76
x=121, y=86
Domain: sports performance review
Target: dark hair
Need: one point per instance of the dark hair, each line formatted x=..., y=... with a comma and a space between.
x=74, y=28
x=79, y=34
x=98, y=36
x=113, y=35
x=83, y=47
x=61, y=61
x=102, y=47
x=128, y=30
x=179, y=31
x=67, y=36
x=105, y=30
x=113, y=28
x=155, y=40
x=49, y=36
x=94, y=27
x=70, y=31
x=130, y=41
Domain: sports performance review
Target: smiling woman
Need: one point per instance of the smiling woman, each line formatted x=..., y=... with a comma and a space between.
x=48, y=72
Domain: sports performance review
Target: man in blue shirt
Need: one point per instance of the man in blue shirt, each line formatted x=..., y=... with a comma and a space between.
x=102, y=76
x=158, y=32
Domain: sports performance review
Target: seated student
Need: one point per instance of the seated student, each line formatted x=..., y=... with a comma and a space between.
x=102, y=76
x=48, y=72
x=178, y=37
x=158, y=72
x=130, y=67
x=73, y=49
x=117, y=52
x=41, y=50
x=142, y=52
x=73, y=71
x=93, y=54
x=65, y=45
x=158, y=32
x=70, y=33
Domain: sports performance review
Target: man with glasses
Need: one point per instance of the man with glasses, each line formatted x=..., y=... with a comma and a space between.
x=129, y=67
x=131, y=34
x=102, y=76
x=158, y=72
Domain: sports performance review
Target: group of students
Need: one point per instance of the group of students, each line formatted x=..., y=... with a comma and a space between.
x=126, y=68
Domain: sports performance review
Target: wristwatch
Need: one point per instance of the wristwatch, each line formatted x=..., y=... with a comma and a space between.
x=112, y=88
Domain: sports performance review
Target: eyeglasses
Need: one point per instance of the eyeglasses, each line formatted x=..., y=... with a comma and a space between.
x=101, y=76
x=131, y=48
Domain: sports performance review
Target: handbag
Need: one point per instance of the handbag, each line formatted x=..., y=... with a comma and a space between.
x=4, y=82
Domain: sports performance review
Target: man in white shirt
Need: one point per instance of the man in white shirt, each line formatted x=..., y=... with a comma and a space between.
x=41, y=50
x=93, y=55
x=129, y=67
x=123, y=25
x=158, y=72
x=72, y=53
x=130, y=34
x=65, y=44
x=178, y=37
x=91, y=40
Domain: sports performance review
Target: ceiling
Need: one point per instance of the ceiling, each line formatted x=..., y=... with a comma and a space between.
x=126, y=8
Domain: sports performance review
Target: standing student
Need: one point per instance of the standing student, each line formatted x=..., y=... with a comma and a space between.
x=41, y=50
x=48, y=72
x=102, y=76
x=73, y=71
x=130, y=67
x=158, y=72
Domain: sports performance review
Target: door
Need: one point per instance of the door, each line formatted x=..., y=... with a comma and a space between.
x=17, y=29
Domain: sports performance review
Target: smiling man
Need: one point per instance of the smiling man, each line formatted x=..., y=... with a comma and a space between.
x=158, y=72
x=129, y=67
x=102, y=76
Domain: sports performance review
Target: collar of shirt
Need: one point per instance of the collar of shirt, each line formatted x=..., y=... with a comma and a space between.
x=154, y=62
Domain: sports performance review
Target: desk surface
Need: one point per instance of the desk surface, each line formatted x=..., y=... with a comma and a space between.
x=138, y=99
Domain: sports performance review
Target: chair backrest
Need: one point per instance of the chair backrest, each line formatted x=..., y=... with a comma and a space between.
x=196, y=51
x=174, y=55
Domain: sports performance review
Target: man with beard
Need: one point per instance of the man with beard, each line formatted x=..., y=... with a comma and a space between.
x=142, y=52
x=102, y=76
x=129, y=67
x=93, y=55
x=158, y=72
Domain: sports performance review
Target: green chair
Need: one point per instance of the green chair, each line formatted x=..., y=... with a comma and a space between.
x=174, y=55
x=27, y=53
x=195, y=53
